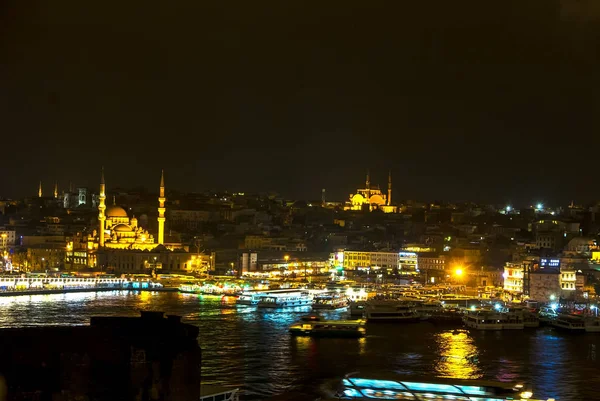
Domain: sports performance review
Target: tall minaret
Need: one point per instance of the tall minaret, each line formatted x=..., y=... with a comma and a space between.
x=40, y=190
x=101, y=209
x=55, y=190
x=161, y=209
x=368, y=184
x=389, y=197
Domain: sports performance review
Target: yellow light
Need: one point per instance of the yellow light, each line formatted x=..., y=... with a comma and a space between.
x=526, y=394
x=458, y=272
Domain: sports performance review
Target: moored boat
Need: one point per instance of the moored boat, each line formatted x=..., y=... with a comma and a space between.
x=357, y=308
x=571, y=323
x=288, y=299
x=316, y=327
x=330, y=300
x=390, y=311
x=592, y=324
x=483, y=320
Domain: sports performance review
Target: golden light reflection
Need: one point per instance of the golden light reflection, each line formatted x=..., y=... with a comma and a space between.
x=458, y=355
x=362, y=346
x=145, y=297
x=302, y=342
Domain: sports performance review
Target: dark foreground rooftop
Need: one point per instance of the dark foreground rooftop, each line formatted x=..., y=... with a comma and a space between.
x=114, y=358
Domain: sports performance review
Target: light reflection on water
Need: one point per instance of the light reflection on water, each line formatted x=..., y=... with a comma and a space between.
x=252, y=348
x=458, y=355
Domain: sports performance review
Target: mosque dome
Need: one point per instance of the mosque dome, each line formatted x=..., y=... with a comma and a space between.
x=122, y=228
x=116, y=211
x=376, y=200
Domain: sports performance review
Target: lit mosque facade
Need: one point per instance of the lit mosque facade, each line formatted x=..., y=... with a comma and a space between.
x=372, y=198
x=117, y=231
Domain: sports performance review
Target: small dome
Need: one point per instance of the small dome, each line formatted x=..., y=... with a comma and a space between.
x=116, y=211
x=121, y=228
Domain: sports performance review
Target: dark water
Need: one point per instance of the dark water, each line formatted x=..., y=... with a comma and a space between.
x=251, y=348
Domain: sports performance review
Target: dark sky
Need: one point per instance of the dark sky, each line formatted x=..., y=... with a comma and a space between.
x=483, y=100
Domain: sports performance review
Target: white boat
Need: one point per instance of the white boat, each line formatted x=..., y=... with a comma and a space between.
x=248, y=299
x=390, y=311
x=289, y=299
x=572, y=323
x=483, y=320
x=357, y=309
x=330, y=300
x=316, y=327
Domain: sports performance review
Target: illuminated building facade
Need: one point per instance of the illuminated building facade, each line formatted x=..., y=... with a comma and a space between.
x=372, y=198
x=118, y=231
x=513, y=278
x=404, y=262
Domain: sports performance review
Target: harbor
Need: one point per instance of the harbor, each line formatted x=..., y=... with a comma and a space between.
x=235, y=352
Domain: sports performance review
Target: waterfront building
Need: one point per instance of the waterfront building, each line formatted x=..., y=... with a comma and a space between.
x=403, y=262
x=545, y=285
x=372, y=198
x=513, y=278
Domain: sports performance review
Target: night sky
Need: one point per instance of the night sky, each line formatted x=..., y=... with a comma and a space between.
x=483, y=100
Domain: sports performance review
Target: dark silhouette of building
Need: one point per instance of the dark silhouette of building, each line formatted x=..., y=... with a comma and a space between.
x=114, y=358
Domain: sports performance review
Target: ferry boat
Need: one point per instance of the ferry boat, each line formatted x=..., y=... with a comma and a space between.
x=252, y=297
x=592, y=325
x=547, y=315
x=357, y=309
x=190, y=288
x=453, y=317
x=483, y=320
x=427, y=309
x=390, y=311
x=316, y=327
x=513, y=321
x=574, y=324
x=355, y=388
x=288, y=299
x=330, y=301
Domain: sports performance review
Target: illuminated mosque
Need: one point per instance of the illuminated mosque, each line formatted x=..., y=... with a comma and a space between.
x=371, y=198
x=118, y=231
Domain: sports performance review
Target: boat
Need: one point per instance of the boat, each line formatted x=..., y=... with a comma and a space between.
x=316, y=327
x=357, y=308
x=428, y=308
x=452, y=317
x=287, y=299
x=190, y=288
x=530, y=320
x=252, y=297
x=483, y=320
x=360, y=388
x=592, y=324
x=547, y=315
x=330, y=300
x=571, y=323
x=512, y=321
x=390, y=311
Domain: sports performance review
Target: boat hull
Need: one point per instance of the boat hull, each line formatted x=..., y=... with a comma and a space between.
x=327, y=333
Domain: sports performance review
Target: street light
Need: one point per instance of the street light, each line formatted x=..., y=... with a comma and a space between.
x=458, y=272
x=594, y=308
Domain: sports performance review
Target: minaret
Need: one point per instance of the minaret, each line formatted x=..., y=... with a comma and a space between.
x=101, y=209
x=40, y=190
x=368, y=184
x=389, y=197
x=161, y=209
x=55, y=190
